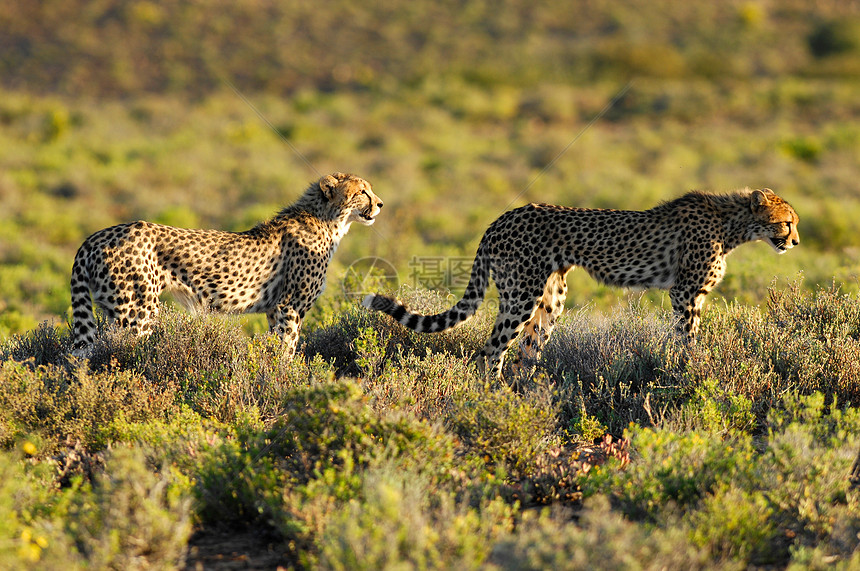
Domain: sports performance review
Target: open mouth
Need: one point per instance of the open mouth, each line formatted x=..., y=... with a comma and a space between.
x=779, y=244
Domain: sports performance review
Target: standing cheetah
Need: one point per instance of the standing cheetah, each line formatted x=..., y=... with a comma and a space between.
x=277, y=268
x=680, y=246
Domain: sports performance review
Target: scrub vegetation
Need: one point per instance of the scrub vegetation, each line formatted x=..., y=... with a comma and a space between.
x=376, y=447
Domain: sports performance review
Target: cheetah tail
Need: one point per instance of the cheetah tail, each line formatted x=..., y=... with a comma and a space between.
x=462, y=310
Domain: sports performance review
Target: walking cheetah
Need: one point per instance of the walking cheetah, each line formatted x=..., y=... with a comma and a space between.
x=277, y=268
x=679, y=245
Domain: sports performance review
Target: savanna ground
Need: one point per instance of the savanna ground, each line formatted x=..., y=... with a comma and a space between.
x=378, y=448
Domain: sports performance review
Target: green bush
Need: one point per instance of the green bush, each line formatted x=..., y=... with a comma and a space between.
x=32, y=515
x=811, y=448
x=174, y=443
x=295, y=474
x=403, y=520
x=735, y=524
x=506, y=428
x=126, y=518
x=131, y=518
x=760, y=502
x=714, y=409
x=672, y=469
x=601, y=539
x=68, y=406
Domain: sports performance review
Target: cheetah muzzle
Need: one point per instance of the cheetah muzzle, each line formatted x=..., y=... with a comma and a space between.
x=277, y=268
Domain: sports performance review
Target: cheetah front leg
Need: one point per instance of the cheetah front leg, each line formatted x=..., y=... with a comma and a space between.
x=687, y=302
x=285, y=322
x=688, y=294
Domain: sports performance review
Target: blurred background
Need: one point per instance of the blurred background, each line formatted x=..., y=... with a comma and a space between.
x=456, y=111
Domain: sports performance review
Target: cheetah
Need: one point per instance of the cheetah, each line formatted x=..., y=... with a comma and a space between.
x=680, y=246
x=277, y=268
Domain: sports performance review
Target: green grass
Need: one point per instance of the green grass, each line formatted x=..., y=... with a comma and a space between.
x=736, y=456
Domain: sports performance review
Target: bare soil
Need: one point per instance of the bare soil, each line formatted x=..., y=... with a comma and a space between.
x=228, y=550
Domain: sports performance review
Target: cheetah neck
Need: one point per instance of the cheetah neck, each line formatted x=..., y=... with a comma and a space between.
x=734, y=210
x=314, y=211
x=339, y=231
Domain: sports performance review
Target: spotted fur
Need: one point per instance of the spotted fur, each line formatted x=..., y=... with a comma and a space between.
x=680, y=246
x=277, y=268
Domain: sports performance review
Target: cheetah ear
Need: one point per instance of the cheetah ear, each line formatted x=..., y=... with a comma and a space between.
x=759, y=200
x=328, y=184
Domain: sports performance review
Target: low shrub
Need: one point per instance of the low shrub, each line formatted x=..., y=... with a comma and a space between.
x=735, y=524
x=44, y=345
x=506, y=428
x=32, y=515
x=131, y=517
x=599, y=538
x=669, y=468
x=755, y=502
x=806, y=342
x=614, y=370
x=402, y=520
x=197, y=354
x=359, y=337
x=65, y=406
x=296, y=473
x=715, y=410
x=127, y=518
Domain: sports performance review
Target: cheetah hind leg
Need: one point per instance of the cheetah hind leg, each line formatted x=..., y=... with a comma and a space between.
x=84, y=328
x=83, y=319
x=138, y=320
x=512, y=317
x=538, y=328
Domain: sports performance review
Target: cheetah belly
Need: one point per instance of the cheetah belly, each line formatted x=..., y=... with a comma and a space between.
x=204, y=292
x=635, y=272
x=184, y=296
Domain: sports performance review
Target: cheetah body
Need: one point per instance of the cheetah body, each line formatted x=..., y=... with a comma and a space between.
x=679, y=245
x=277, y=268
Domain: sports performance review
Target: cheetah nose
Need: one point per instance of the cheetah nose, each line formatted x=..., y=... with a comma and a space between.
x=795, y=241
x=379, y=204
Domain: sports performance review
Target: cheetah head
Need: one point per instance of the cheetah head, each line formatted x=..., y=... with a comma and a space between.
x=776, y=220
x=352, y=194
